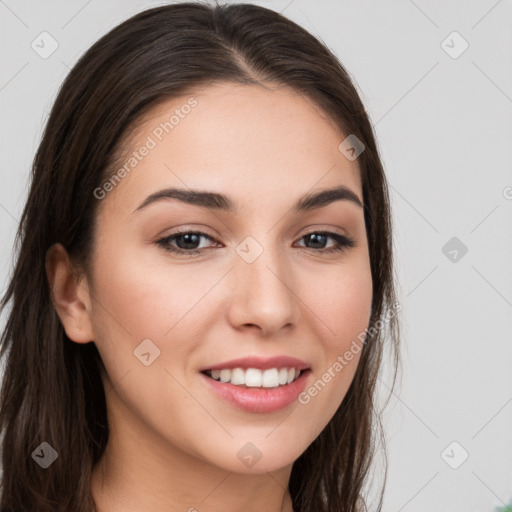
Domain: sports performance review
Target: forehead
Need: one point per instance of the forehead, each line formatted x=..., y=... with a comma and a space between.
x=256, y=142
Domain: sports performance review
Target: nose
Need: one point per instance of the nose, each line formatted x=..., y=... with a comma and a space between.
x=264, y=295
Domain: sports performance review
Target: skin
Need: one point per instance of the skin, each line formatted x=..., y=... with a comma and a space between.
x=173, y=443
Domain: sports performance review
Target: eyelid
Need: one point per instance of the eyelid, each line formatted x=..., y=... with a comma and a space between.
x=329, y=229
x=191, y=229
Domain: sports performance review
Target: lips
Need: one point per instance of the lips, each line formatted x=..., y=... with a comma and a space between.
x=258, y=385
x=260, y=363
x=258, y=399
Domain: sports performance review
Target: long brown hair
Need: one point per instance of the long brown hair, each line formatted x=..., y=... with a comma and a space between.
x=52, y=391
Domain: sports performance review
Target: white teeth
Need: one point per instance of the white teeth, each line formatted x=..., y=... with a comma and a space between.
x=270, y=378
x=225, y=375
x=253, y=378
x=256, y=378
x=237, y=376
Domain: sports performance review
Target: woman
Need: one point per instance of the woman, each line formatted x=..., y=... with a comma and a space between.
x=204, y=278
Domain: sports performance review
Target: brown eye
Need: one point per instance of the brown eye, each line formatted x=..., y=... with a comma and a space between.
x=318, y=239
x=187, y=242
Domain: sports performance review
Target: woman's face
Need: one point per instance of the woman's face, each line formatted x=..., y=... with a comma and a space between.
x=261, y=286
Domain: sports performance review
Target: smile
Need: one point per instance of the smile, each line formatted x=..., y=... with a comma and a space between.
x=255, y=377
x=253, y=393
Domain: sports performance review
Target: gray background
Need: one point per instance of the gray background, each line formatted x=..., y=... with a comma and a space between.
x=443, y=124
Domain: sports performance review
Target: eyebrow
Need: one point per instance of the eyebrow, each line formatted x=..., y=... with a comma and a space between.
x=216, y=201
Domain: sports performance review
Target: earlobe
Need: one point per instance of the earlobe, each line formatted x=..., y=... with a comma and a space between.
x=69, y=294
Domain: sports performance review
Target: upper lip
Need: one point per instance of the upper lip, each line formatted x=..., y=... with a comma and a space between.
x=260, y=362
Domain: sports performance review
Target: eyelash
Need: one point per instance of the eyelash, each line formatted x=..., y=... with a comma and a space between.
x=344, y=242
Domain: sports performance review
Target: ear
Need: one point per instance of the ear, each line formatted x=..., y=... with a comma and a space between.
x=70, y=295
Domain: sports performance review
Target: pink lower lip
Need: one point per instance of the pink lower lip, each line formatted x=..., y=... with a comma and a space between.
x=259, y=399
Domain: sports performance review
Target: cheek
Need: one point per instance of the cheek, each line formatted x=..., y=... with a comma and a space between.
x=138, y=296
x=343, y=306
x=138, y=299
x=342, y=302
